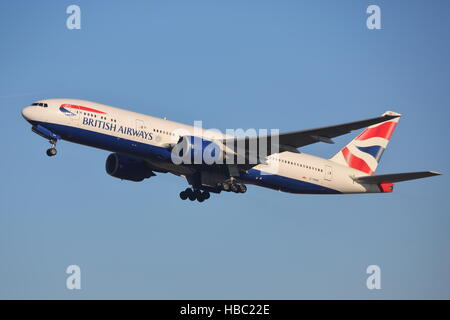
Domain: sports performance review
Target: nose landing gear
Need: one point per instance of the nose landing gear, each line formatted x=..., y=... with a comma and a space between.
x=52, y=151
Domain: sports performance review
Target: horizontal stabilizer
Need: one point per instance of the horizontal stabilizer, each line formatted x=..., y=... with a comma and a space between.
x=396, y=177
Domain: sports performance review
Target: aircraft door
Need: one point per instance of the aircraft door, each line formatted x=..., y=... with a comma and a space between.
x=328, y=173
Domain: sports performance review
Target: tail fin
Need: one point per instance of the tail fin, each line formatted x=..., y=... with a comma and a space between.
x=364, y=152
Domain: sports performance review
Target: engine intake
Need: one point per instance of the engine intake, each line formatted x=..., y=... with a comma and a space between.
x=127, y=167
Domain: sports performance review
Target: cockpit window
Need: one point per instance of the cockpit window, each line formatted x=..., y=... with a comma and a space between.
x=40, y=104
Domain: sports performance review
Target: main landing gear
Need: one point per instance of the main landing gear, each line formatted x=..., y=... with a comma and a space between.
x=196, y=194
x=199, y=195
x=233, y=187
x=52, y=151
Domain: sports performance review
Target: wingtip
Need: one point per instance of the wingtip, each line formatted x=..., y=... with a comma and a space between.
x=391, y=113
x=435, y=173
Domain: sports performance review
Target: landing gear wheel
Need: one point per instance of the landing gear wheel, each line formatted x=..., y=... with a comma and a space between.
x=187, y=194
x=194, y=195
x=51, y=152
x=198, y=195
x=183, y=195
x=235, y=188
x=242, y=188
x=226, y=186
x=200, y=198
x=191, y=195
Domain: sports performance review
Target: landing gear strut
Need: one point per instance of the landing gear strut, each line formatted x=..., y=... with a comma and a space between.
x=52, y=151
x=196, y=194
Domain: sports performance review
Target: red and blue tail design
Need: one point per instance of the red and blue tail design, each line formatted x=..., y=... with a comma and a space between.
x=364, y=152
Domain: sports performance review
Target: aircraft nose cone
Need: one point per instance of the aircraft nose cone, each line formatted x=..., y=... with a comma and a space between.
x=26, y=112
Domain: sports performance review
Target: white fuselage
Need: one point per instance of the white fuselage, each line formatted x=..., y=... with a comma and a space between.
x=148, y=137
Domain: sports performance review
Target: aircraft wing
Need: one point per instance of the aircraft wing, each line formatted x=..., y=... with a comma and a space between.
x=290, y=141
x=302, y=138
x=396, y=177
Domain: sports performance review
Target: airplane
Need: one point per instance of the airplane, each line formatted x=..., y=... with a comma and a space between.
x=143, y=145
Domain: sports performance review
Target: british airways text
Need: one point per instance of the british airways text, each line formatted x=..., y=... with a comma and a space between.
x=115, y=128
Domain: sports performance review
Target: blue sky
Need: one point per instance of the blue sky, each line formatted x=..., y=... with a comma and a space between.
x=233, y=64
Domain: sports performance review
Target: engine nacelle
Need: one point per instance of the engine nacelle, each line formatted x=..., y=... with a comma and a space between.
x=127, y=168
x=195, y=150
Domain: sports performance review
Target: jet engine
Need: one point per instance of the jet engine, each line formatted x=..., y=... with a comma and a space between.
x=127, y=167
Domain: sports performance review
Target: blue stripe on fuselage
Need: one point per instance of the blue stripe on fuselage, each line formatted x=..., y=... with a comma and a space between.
x=139, y=149
x=107, y=142
x=286, y=184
